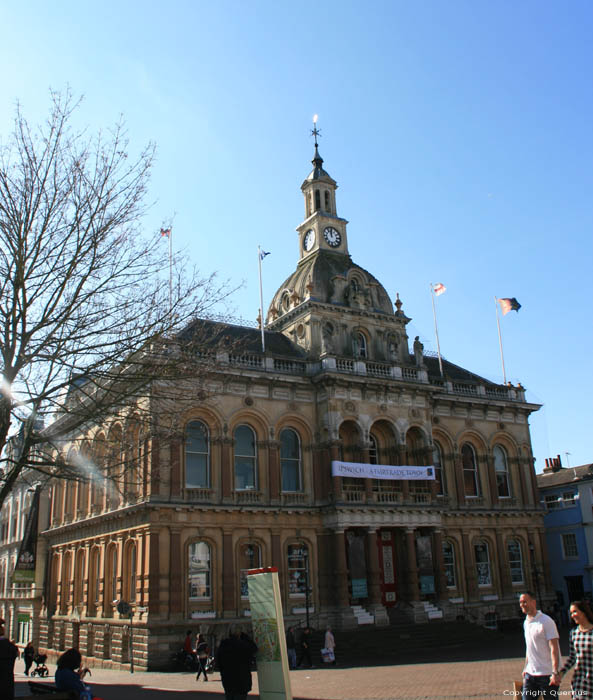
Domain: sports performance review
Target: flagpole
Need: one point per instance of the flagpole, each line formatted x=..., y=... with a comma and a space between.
x=504, y=374
x=436, y=329
x=171, y=270
x=261, y=302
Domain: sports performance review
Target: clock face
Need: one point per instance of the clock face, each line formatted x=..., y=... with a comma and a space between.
x=309, y=239
x=332, y=236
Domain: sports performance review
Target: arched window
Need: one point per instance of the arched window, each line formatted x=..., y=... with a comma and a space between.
x=515, y=561
x=501, y=470
x=298, y=569
x=317, y=200
x=290, y=460
x=449, y=564
x=327, y=201
x=482, y=556
x=249, y=558
x=65, y=581
x=471, y=481
x=362, y=345
x=373, y=450
x=130, y=586
x=285, y=302
x=199, y=571
x=439, y=472
x=197, y=456
x=245, y=458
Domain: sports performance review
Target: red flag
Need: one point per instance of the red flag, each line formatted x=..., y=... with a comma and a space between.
x=166, y=232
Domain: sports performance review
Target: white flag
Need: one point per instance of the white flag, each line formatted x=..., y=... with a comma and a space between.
x=439, y=289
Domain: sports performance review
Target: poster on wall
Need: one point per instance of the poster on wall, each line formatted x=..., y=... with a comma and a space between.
x=268, y=633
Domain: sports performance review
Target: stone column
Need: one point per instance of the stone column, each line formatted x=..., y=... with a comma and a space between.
x=226, y=476
x=334, y=453
x=155, y=467
x=176, y=568
x=516, y=468
x=543, y=548
x=471, y=580
x=154, y=575
x=374, y=569
x=274, y=475
x=458, y=471
x=439, y=565
x=229, y=582
x=489, y=462
x=506, y=586
x=413, y=583
x=342, y=596
x=278, y=562
x=402, y=457
x=325, y=569
x=175, y=448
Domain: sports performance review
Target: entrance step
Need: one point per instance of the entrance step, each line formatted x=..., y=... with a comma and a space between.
x=432, y=611
x=363, y=617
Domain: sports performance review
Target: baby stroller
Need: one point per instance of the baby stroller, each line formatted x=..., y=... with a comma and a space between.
x=40, y=667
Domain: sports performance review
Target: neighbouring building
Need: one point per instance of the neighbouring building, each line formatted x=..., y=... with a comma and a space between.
x=250, y=483
x=567, y=495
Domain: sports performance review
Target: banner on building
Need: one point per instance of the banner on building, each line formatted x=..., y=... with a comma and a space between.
x=268, y=632
x=24, y=571
x=381, y=471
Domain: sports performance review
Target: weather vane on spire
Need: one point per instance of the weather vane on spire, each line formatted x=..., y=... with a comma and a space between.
x=315, y=131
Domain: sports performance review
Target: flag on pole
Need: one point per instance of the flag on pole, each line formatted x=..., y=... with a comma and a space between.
x=262, y=254
x=439, y=289
x=507, y=305
x=166, y=232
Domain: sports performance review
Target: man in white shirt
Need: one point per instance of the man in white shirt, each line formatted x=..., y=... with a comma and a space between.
x=542, y=655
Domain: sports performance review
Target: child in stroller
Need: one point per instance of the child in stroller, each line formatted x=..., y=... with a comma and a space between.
x=40, y=667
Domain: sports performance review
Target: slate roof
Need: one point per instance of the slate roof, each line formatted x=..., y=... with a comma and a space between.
x=455, y=373
x=565, y=475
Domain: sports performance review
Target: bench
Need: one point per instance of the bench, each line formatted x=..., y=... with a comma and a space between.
x=49, y=690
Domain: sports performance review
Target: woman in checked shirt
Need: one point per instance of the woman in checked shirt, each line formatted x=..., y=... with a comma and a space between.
x=581, y=651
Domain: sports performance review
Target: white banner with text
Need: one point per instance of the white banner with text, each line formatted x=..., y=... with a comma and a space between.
x=381, y=471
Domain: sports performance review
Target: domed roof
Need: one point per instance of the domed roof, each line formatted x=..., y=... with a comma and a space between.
x=330, y=278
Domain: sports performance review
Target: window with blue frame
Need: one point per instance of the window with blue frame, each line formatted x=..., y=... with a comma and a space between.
x=570, y=548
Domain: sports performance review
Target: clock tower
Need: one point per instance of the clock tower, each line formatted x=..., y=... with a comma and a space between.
x=322, y=228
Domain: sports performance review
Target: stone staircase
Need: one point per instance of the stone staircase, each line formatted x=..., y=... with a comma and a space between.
x=363, y=617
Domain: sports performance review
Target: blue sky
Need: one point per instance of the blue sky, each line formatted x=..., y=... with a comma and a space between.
x=459, y=133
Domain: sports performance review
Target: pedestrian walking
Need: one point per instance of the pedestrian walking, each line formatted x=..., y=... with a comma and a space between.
x=202, y=652
x=330, y=645
x=233, y=659
x=28, y=656
x=305, y=648
x=542, y=650
x=291, y=648
x=8, y=655
x=581, y=651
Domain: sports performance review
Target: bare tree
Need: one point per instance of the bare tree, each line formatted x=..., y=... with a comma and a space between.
x=89, y=317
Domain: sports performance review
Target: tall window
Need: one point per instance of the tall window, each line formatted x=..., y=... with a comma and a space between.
x=317, y=200
x=515, y=561
x=249, y=558
x=327, y=204
x=501, y=470
x=449, y=564
x=197, y=456
x=471, y=482
x=360, y=345
x=570, y=549
x=298, y=569
x=199, y=571
x=290, y=460
x=245, y=458
x=483, y=572
x=437, y=461
x=79, y=578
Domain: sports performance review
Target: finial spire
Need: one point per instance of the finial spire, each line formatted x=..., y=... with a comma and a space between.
x=315, y=131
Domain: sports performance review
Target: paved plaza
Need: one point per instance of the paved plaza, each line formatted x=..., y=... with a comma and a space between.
x=446, y=679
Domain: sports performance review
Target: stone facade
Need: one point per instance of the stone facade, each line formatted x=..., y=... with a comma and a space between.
x=248, y=481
